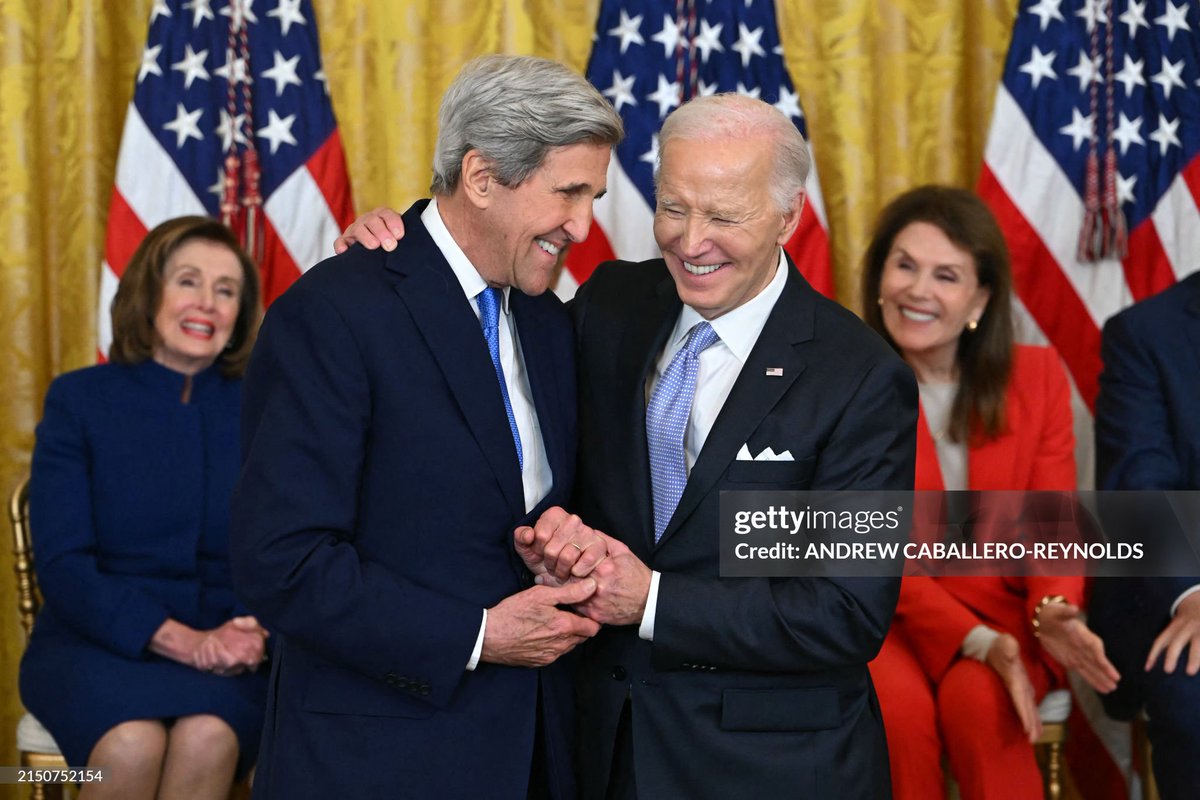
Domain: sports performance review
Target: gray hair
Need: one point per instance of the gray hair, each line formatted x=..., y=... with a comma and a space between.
x=513, y=110
x=728, y=115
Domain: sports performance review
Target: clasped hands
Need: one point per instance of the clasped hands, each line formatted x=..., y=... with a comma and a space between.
x=594, y=575
x=560, y=549
x=232, y=648
x=228, y=649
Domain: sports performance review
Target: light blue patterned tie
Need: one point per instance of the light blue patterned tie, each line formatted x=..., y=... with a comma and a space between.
x=666, y=424
x=489, y=317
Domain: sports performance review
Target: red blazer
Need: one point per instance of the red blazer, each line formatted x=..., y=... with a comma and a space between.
x=1035, y=452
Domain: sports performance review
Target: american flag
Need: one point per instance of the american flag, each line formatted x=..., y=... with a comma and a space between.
x=222, y=77
x=1098, y=110
x=650, y=55
x=1118, y=77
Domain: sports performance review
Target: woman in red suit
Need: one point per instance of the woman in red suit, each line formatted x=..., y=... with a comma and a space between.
x=961, y=670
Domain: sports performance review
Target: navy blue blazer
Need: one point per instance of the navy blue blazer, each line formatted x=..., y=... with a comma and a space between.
x=1147, y=437
x=752, y=687
x=129, y=511
x=373, y=523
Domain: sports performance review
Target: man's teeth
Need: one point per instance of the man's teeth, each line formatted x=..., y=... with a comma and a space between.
x=548, y=247
x=917, y=316
x=701, y=269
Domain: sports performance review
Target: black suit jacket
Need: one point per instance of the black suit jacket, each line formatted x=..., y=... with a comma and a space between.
x=373, y=522
x=1147, y=437
x=752, y=687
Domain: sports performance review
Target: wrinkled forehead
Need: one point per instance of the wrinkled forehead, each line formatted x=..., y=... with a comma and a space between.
x=725, y=167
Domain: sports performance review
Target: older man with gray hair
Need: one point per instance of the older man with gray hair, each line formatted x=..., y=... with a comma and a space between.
x=719, y=368
x=403, y=412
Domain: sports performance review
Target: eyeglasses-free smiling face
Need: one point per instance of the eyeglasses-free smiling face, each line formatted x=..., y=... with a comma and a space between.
x=716, y=222
x=530, y=226
x=929, y=290
x=201, y=295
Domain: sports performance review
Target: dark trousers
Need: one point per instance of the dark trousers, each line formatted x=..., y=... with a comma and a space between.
x=1173, y=706
x=539, y=775
x=621, y=783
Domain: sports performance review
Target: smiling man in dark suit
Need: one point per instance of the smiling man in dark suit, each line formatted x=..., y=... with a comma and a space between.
x=403, y=412
x=693, y=371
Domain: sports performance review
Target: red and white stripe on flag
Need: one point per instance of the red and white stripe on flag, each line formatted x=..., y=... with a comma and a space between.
x=1081, y=83
x=1097, y=114
x=648, y=57
x=219, y=78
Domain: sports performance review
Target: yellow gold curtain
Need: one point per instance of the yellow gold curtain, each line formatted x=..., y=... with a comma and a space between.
x=897, y=93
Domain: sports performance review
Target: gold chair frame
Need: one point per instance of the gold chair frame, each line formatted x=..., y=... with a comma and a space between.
x=29, y=600
x=1054, y=735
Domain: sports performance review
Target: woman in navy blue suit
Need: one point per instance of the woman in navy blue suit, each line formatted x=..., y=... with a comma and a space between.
x=142, y=661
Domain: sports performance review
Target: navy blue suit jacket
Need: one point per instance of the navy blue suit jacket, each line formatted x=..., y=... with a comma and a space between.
x=752, y=687
x=1147, y=437
x=373, y=522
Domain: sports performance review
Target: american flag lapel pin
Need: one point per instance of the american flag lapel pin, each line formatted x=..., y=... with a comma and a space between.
x=774, y=372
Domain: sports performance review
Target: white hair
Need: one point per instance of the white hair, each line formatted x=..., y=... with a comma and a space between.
x=721, y=116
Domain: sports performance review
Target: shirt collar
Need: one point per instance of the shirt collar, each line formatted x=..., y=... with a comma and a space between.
x=469, y=279
x=739, y=328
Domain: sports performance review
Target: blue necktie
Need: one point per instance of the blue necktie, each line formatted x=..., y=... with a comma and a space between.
x=489, y=316
x=666, y=424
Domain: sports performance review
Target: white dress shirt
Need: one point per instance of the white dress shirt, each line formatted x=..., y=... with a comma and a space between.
x=720, y=365
x=536, y=475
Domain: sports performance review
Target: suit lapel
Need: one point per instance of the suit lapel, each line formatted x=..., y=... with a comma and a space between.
x=754, y=394
x=640, y=347
x=443, y=315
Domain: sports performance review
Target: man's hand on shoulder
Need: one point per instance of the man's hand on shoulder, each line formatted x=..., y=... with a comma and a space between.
x=528, y=629
x=379, y=227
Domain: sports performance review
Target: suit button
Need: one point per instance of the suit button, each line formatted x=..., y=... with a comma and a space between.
x=425, y=690
x=618, y=673
x=390, y=679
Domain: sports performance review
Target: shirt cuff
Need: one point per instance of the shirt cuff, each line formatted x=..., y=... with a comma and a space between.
x=1178, y=600
x=978, y=642
x=478, y=651
x=646, y=629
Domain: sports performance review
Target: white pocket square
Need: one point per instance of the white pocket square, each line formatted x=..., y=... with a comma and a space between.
x=766, y=455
